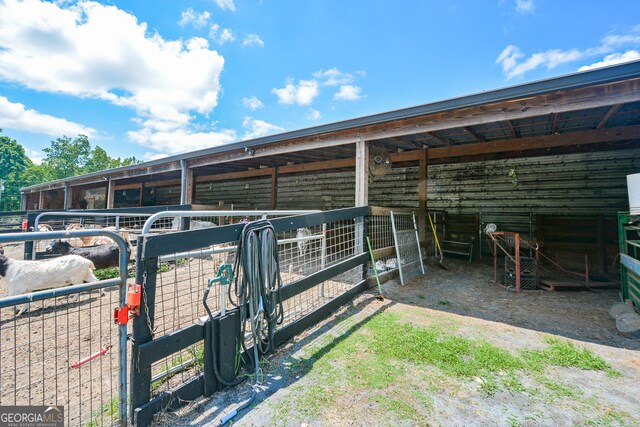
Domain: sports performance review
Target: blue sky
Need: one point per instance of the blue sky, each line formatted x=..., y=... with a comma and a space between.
x=158, y=77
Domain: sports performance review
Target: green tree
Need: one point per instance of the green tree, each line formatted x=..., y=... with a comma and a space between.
x=13, y=163
x=67, y=157
x=100, y=160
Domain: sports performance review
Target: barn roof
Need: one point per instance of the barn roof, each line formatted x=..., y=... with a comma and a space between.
x=584, y=104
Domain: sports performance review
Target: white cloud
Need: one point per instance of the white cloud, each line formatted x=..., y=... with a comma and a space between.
x=190, y=16
x=252, y=103
x=75, y=50
x=302, y=94
x=149, y=156
x=514, y=62
x=333, y=77
x=314, y=114
x=348, y=93
x=36, y=156
x=256, y=128
x=180, y=140
x=226, y=5
x=14, y=115
x=221, y=36
x=525, y=6
x=252, y=40
x=512, y=66
x=614, y=58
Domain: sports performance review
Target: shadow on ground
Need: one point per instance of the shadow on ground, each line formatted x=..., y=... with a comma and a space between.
x=469, y=290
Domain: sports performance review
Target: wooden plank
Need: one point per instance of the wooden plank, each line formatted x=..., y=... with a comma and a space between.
x=318, y=277
x=167, y=345
x=274, y=189
x=422, y=195
x=169, y=401
x=291, y=330
x=536, y=142
x=111, y=189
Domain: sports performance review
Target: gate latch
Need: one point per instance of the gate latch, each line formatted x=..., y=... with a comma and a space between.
x=122, y=315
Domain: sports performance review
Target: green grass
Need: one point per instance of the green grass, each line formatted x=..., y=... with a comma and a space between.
x=386, y=352
x=195, y=353
x=107, y=414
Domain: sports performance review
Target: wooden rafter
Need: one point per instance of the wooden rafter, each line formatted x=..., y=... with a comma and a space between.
x=473, y=134
x=554, y=124
x=512, y=130
x=614, y=109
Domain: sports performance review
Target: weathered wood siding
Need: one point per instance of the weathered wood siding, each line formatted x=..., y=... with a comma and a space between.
x=252, y=193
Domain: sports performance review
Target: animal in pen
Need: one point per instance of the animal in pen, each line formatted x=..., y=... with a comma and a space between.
x=193, y=224
x=102, y=256
x=96, y=240
x=29, y=276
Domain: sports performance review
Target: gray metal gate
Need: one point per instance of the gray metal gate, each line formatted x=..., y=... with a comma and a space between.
x=63, y=351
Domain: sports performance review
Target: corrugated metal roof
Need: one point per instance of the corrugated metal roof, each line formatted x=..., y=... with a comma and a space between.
x=571, y=81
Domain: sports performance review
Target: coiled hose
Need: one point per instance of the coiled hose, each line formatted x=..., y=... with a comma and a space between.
x=257, y=290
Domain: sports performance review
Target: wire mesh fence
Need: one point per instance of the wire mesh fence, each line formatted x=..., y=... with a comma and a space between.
x=12, y=221
x=42, y=351
x=60, y=346
x=183, y=277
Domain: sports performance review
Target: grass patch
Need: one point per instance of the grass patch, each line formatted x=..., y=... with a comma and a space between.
x=445, y=303
x=386, y=352
x=107, y=414
x=566, y=354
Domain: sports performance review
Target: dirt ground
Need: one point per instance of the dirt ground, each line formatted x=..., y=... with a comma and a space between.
x=308, y=382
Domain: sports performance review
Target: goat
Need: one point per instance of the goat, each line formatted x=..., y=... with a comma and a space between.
x=193, y=224
x=102, y=256
x=44, y=227
x=98, y=240
x=28, y=276
x=302, y=237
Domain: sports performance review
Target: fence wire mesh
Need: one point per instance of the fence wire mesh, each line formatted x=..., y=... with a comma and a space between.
x=182, y=279
x=39, y=349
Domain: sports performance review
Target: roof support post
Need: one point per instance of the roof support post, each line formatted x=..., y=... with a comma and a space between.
x=41, y=200
x=423, y=164
x=186, y=184
x=274, y=188
x=111, y=192
x=362, y=173
x=65, y=203
x=23, y=203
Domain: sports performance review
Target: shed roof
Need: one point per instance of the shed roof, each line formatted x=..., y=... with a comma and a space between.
x=584, y=114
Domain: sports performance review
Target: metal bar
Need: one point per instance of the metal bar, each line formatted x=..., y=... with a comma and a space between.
x=212, y=251
x=165, y=244
x=181, y=214
x=174, y=369
x=630, y=263
x=395, y=240
x=78, y=214
x=57, y=292
x=323, y=255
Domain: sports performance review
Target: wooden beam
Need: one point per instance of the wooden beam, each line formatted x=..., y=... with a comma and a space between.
x=512, y=130
x=190, y=187
x=537, y=142
x=554, y=124
x=614, y=109
x=473, y=134
x=362, y=173
x=439, y=140
x=274, y=188
x=234, y=175
x=422, y=194
x=41, y=200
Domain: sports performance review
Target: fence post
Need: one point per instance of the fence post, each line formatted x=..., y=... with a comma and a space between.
x=140, y=384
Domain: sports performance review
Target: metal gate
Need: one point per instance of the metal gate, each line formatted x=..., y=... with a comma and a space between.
x=65, y=350
x=322, y=259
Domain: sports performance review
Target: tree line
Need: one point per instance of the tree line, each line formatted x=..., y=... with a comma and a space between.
x=66, y=157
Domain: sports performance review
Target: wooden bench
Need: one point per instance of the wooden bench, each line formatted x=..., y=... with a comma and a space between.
x=460, y=234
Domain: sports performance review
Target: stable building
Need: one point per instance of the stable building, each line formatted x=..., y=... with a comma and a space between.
x=548, y=159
